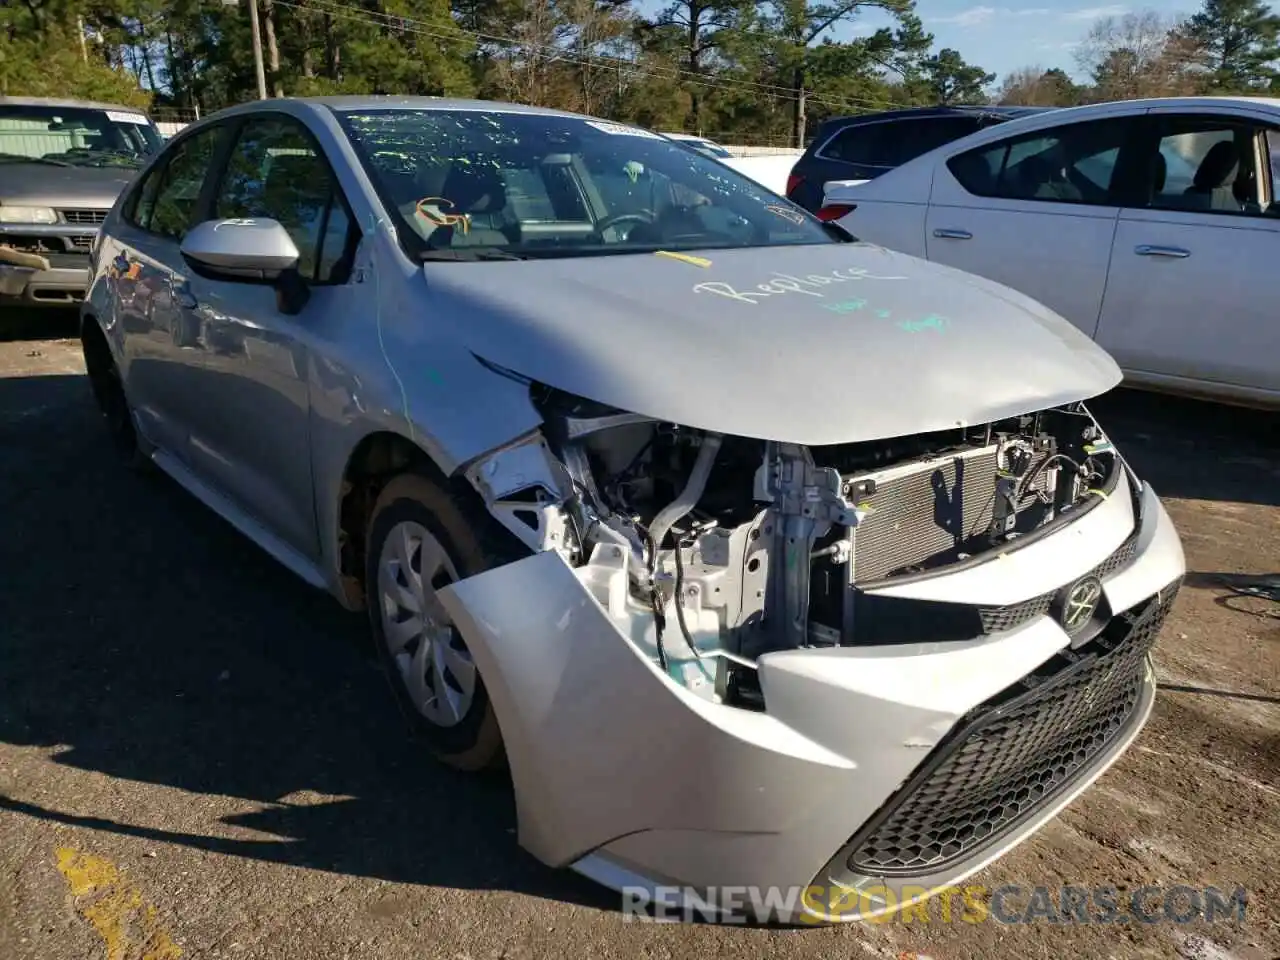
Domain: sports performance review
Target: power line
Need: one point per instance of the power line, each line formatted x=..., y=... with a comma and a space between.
x=416, y=27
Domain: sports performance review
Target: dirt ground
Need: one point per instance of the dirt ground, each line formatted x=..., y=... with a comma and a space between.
x=197, y=760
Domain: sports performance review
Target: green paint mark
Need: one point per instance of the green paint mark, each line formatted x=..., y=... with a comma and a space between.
x=845, y=306
x=882, y=314
x=931, y=322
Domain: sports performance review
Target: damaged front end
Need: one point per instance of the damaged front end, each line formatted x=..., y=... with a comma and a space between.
x=708, y=551
x=743, y=661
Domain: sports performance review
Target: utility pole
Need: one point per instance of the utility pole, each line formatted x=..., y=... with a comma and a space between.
x=256, y=31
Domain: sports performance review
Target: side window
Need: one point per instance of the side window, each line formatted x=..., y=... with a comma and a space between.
x=1071, y=164
x=276, y=172
x=861, y=143
x=527, y=195
x=142, y=203
x=1206, y=165
x=179, y=185
x=1273, y=154
x=928, y=135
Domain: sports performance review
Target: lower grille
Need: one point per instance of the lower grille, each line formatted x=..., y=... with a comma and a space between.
x=50, y=245
x=1014, y=753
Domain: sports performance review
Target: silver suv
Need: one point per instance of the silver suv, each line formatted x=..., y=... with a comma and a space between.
x=62, y=165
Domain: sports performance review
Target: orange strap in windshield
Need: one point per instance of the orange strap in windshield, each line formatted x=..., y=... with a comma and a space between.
x=439, y=217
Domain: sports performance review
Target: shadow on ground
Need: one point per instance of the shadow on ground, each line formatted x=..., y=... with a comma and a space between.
x=155, y=644
x=1194, y=450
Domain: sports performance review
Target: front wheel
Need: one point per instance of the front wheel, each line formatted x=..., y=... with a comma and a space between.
x=420, y=542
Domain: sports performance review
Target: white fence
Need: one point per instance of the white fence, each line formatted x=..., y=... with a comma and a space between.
x=762, y=151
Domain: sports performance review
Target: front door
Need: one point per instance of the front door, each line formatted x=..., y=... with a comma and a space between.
x=1035, y=212
x=1188, y=304
x=249, y=405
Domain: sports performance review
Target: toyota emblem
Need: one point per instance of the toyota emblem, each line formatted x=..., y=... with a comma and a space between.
x=1080, y=604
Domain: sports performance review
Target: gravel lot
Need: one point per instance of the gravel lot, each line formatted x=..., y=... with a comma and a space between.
x=197, y=759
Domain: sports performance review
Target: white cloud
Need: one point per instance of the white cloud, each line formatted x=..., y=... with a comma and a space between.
x=1096, y=13
x=969, y=18
x=976, y=16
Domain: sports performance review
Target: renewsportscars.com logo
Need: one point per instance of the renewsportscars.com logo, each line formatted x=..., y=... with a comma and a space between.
x=1008, y=904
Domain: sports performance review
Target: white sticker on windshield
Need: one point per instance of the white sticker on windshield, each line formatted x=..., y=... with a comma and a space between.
x=140, y=120
x=621, y=129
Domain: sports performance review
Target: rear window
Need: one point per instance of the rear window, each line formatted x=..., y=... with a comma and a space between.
x=890, y=143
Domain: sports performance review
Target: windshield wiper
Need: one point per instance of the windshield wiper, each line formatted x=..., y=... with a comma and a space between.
x=472, y=253
x=19, y=158
x=99, y=158
x=838, y=232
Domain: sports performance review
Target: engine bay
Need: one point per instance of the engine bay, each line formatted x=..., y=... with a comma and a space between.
x=708, y=551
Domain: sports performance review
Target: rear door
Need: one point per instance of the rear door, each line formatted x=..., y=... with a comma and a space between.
x=1188, y=304
x=1035, y=211
x=146, y=267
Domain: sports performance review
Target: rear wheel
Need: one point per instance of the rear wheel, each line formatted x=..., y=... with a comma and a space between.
x=419, y=542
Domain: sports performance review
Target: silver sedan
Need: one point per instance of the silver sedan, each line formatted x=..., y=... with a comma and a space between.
x=789, y=575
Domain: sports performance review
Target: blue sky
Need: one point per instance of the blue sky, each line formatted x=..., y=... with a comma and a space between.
x=1003, y=35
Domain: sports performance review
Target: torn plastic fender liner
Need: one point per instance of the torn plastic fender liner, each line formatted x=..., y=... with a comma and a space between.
x=599, y=744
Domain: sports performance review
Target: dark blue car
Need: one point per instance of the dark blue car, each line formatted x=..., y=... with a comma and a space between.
x=863, y=147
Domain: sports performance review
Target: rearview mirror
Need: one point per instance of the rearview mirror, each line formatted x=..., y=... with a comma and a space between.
x=257, y=249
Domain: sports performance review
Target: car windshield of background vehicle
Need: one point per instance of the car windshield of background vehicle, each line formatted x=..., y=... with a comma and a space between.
x=76, y=136
x=470, y=184
x=709, y=149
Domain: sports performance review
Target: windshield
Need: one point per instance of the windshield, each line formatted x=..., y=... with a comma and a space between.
x=469, y=183
x=706, y=148
x=76, y=136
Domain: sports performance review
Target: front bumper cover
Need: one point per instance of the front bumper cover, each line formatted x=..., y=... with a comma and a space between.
x=55, y=287
x=635, y=782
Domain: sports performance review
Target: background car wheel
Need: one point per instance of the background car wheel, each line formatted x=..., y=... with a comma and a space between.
x=420, y=541
x=108, y=391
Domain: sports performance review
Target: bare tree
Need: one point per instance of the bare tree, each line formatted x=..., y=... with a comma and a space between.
x=1038, y=87
x=593, y=31
x=1140, y=54
x=524, y=71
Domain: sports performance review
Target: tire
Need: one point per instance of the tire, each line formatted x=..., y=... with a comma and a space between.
x=461, y=731
x=108, y=392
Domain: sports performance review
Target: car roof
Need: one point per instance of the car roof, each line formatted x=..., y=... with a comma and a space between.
x=356, y=103
x=1042, y=119
x=65, y=104
x=960, y=110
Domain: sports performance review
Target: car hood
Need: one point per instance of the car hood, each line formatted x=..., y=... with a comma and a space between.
x=806, y=344
x=44, y=185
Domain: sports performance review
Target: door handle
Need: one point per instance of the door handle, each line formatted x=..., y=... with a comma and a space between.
x=1150, y=250
x=944, y=234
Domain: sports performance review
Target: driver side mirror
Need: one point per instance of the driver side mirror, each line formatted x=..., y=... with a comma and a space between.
x=252, y=250
x=257, y=249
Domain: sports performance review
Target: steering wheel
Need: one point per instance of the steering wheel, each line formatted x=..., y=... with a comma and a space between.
x=608, y=223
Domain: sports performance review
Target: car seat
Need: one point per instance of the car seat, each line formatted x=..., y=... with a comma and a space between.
x=1213, y=187
x=478, y=192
